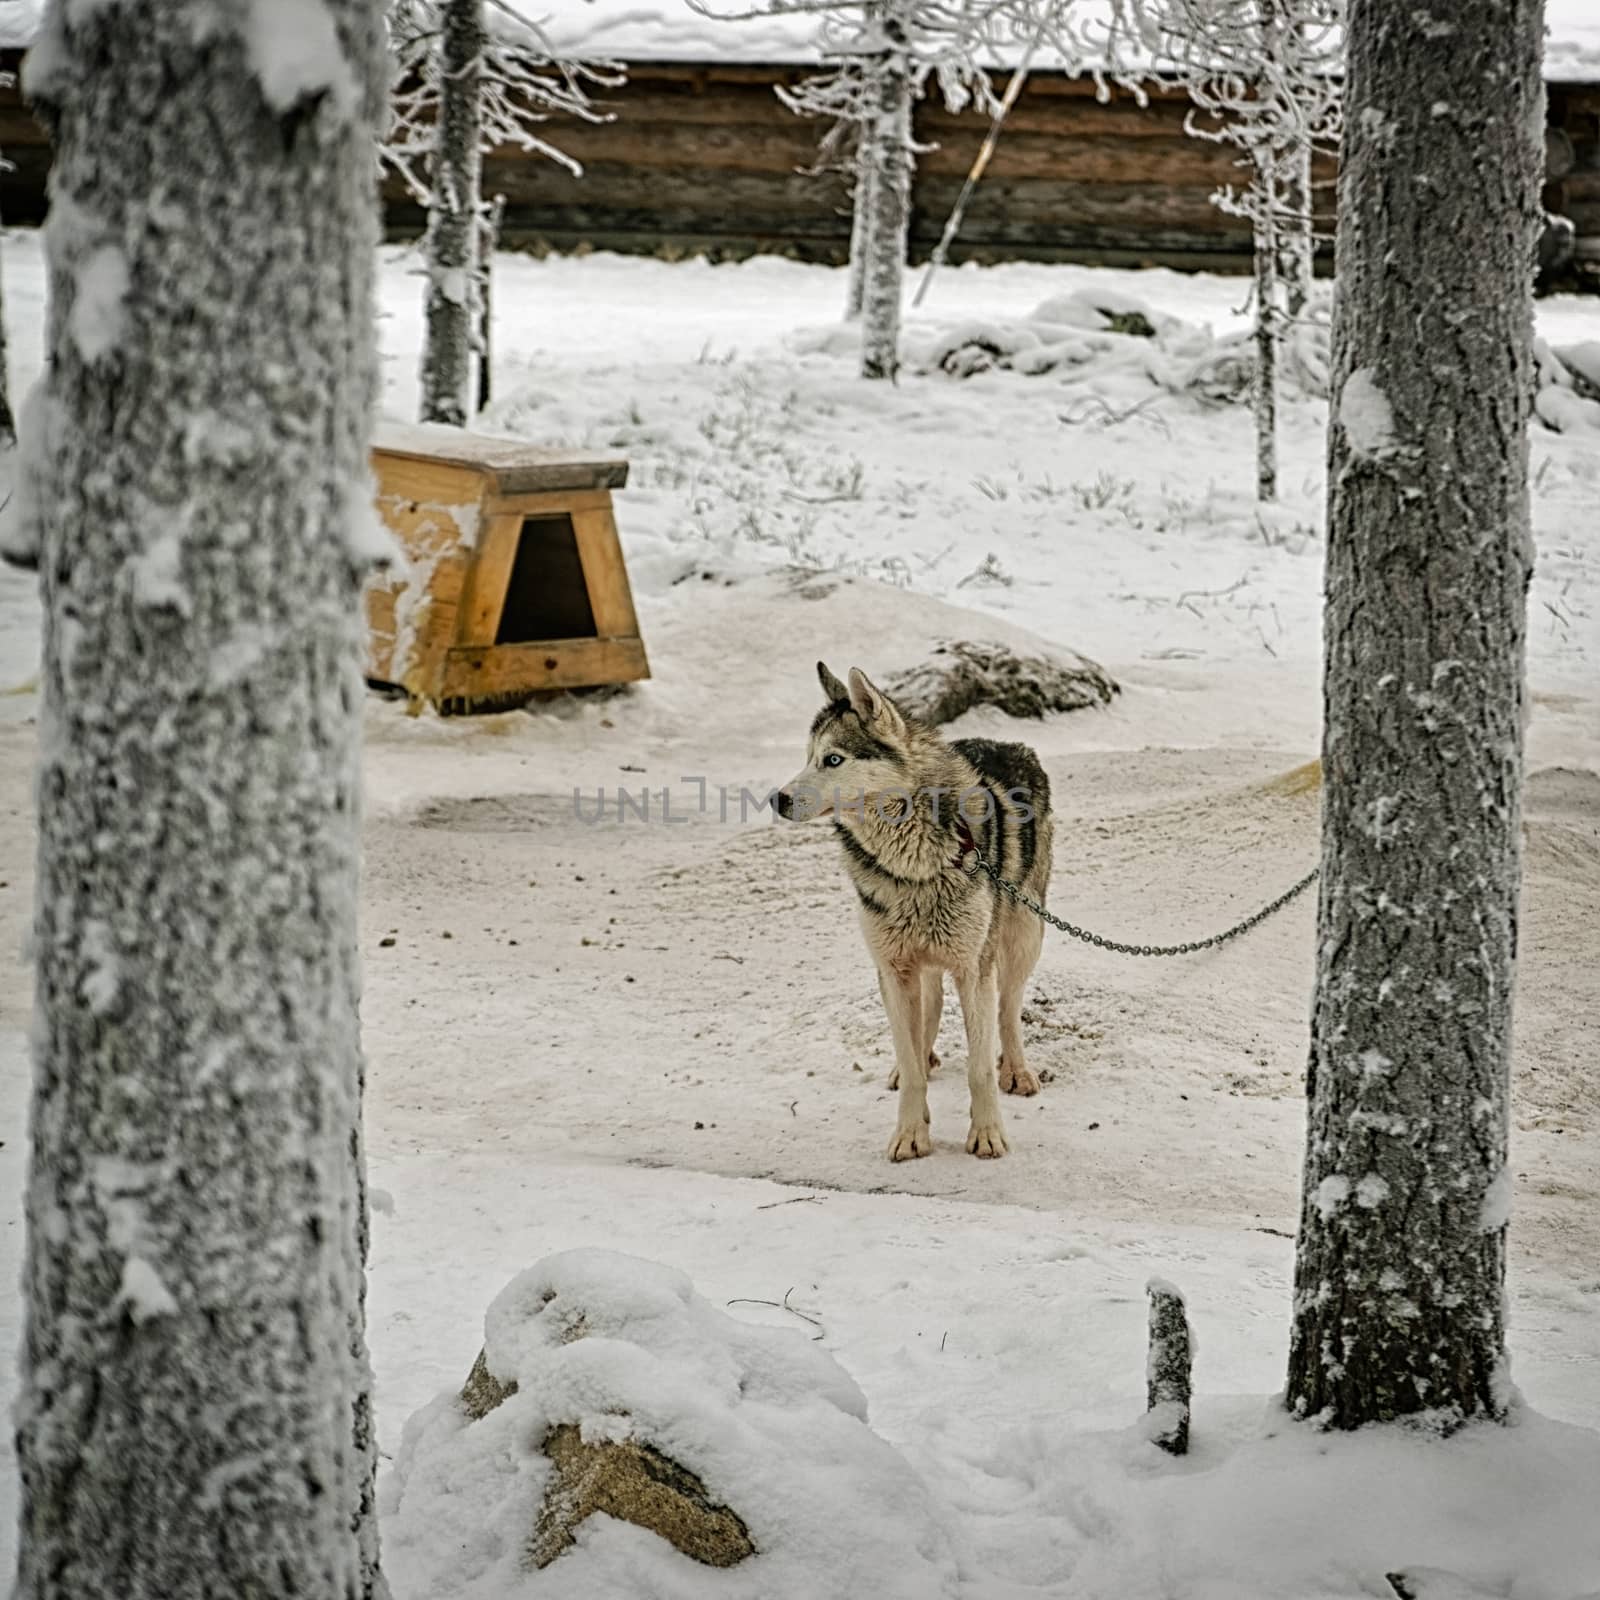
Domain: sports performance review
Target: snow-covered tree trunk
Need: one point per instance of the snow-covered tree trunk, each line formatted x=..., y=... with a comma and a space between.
x=453, y=216
x=1267, y=335
x=861, y=212
x=888, y=157
x=194, y=1414
x=1400, y=1263
x=1299, y=251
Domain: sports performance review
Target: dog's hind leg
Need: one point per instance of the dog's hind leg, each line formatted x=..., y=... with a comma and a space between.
x=987, y=1135
x=929, y=1012
x=902, y=999
x=1017, y=953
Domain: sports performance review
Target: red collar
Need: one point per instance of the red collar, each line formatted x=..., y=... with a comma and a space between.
x=965, y=843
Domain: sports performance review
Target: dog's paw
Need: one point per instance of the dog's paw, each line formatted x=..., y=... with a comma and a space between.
x=1017, y=1080
x=909, y=1143
x=987, y=1140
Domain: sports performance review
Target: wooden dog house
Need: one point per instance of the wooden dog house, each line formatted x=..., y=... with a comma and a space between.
x=514, y=580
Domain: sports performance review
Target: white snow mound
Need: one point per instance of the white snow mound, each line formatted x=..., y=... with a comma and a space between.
x=624, y=1347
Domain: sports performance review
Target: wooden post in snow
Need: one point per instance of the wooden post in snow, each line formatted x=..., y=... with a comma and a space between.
x=1167, y=1370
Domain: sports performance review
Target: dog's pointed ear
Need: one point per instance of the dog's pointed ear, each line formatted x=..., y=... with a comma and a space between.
x=869, y=701
x=830, y=684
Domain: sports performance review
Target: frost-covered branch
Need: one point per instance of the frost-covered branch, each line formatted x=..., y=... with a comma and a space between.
x=524, y=81
x=1266, y=77
x=469, y=76
x=878, y=57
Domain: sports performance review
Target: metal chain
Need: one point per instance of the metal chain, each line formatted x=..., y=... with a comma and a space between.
x=1146, y=949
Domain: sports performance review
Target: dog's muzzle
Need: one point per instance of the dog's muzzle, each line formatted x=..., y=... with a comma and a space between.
x=783, y=804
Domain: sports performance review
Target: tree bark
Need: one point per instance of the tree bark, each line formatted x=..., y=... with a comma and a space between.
x=888, y=137
x=194, y=1416
x=1400, y=1264
x=453, y=216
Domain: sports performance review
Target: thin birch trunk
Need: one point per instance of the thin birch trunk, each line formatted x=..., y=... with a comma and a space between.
x=1299, y=233
x=861, y=214
x=453, y=216
x=491, y=243
x=1267, y=336
x=8, y=421
x=194, y=1414
x=1400, y=1263
x=888, y=134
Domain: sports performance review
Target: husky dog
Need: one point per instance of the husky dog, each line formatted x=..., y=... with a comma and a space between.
x=911, y=812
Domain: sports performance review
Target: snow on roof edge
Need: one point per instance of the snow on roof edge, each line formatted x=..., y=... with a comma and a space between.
x=672, y=32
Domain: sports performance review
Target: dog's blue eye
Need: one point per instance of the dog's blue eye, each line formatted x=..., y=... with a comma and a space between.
x=834, y=760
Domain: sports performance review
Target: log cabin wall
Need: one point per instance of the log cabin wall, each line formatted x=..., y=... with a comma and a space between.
x=1572, y=161
x=705, y=160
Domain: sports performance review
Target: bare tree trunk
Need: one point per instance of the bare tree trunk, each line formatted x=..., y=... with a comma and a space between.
x=194, y=1416
x=491, y=243
x=888, y=136
x=8, y=421
x=1299, y=234
x=861, y=213
x=452, y=241
x=1400, y=1265
x=1267, y=335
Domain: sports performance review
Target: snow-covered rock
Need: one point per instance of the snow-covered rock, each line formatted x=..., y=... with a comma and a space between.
x=763, y=1434
x=1566, y=412
x=961, y=675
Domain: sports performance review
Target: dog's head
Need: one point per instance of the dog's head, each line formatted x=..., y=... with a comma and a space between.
x=856, y=756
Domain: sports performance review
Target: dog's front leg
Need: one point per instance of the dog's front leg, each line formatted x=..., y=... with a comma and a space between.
x=979, y=1005
x=902, y=999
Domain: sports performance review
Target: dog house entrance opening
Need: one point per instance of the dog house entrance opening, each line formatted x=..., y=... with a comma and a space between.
x=547, y=597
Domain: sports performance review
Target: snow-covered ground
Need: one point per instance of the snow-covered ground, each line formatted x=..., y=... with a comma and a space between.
x=666, y=1039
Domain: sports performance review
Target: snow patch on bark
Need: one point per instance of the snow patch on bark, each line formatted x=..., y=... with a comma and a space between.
x=1331, y=1193
x=1371, y=1192
x=239, y=655
x=49, y=63
x=1375, y=1064
x=211, y=437
x=454, y=283
x=296, y=56
x=1367, y=417
x=102, y=979
x=371, y=545
x=1495, y=1211
x=98, y=303
x=158, y=575
x=120, y=1187
x=144, y=1295
x=19, y=517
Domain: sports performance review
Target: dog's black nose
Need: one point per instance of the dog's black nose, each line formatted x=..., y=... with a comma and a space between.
x=783, y=803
